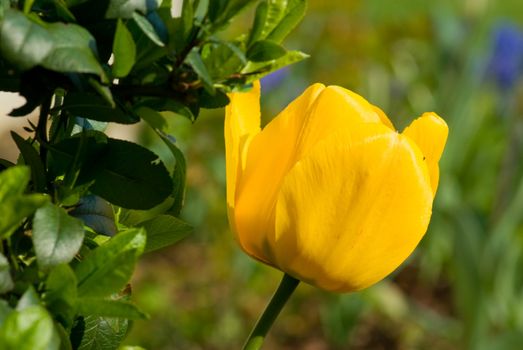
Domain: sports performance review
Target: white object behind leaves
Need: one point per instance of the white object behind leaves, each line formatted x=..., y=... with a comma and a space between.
x=176, y=8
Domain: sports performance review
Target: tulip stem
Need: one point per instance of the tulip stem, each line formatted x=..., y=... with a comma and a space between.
x=287, y=286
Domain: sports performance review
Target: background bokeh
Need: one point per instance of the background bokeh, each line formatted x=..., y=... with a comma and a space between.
x=463, y=287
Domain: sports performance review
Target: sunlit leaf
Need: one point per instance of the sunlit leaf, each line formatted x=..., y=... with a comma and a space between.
x=57, y=236
x=124, y=51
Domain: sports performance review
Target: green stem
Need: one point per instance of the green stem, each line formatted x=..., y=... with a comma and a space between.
x=287, y=286
x=41, y=128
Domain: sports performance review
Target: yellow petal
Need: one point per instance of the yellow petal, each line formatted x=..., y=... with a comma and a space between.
x=267, y=162
x=319, y=112
x=352, y=210
x=242, y=122
x=383, y=117
x=430, y=133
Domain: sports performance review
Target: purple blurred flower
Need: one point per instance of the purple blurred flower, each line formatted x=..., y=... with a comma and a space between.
x=274, y=79
x=506, y=61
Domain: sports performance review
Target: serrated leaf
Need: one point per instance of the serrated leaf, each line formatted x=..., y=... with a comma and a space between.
x=124, y=173
x=29, y=329
x=94, y=107
x=137, y=182
x=57, y=236
x=195, y=61
x=99, y=333
x=124, y=51
x=165, y=230
x=96, y=213
x=6, y=281
x=109, y=308
x=265, y=50
x=60, y=294
x=31, y=158
x=109, y=267
x=147, y=28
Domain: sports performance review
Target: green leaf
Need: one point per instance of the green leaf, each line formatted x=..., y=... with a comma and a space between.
x=124, y=173
x=265, y=50
x=72, y=50
x=13, y=181
x=14, y=205
x=28, y=4
x=99, y=333
x=31, y=158
x=96, y=213
x=29, y=329
x=274, y=19
x=124, y=50
x=109, y=267
x=195, y=61
x=57, y=46
x=6, y=282
x=5, y=310
x=109, y=308
x=255, y=71
x=275, y=12
x=216, y=9
x=147, y=28
x=218, y=100
x=165, y=230
x=260, y=16
x=60, y=294
x=294, y=13
x=28, y=299
x=220, y=12
x=179, y=174
x=139, y=182
x=57, y=236
x=126, y=8
x=92, y=106
x=133, y=217
x=24, y=42
x=223, y=59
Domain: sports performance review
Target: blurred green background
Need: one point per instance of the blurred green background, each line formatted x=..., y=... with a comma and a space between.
x=463, y=287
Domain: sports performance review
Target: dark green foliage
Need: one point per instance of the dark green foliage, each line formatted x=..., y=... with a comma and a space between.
x=79, y=208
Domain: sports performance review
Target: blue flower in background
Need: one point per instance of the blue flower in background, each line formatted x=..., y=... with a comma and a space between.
x=274, y=79
x=506, y=61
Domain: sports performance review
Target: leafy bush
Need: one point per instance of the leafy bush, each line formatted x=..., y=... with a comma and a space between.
x=79, y=208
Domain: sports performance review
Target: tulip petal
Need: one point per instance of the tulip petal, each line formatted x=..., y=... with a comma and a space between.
x=430, y=133
x=383, y=117
x=352, y=210
x=266, y=164
x=242, y=122
x=319, y=112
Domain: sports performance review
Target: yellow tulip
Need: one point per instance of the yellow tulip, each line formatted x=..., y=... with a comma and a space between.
x=328, y=192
